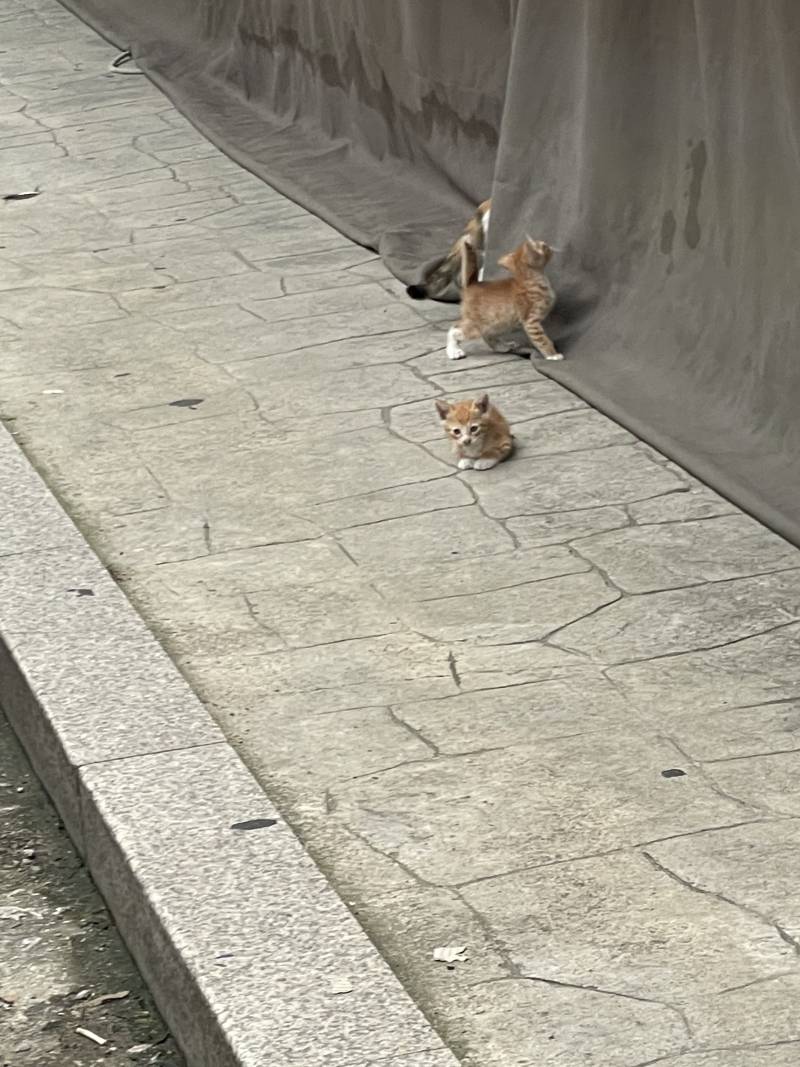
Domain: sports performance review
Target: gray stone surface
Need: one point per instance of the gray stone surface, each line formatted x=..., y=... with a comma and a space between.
x=683, y=620
x=461, y=688
x=752, y=671
x=537, y=1024
x=254, y=927
x=570, y=481
x=550, y=801
x=622, y=923
x=679, y=554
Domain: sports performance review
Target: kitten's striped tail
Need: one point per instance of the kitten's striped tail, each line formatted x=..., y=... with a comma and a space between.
x=469, y=263
x=440, y=281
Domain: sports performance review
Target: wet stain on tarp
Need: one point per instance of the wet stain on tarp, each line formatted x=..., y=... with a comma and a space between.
x=698, y=158
x=668, y=228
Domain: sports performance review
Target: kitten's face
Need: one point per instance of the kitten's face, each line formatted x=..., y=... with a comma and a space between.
x=465, y=421
x=529, y=255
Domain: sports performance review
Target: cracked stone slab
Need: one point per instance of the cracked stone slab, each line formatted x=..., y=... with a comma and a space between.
x=201, y=266
x=309, y=753
x=357, y=673
x=622, y=924
x=255, y=343
x=528, y=611
x=497, y=666
x=557, y=527
x=200, y=294
x=327, y=260
x=396, y=502
x=615, y=475
x=755, y=866
x=160, y=535
x=698, y=502
x=317, y=283
x=182, y=409
x=437, y=536
x=730, y=733
x=218, y=316
x=579, y=702
x=480, y=574
x=409, y=924
x=762, y=1015
x=768, y=782
x=35, y=306
x=753, y=671
x=660, y=557
x=329, y=467
x=308, y=615
x=192, y=622
x=769, y=1054
x=357, y=871
x=122, y=491
x=487, y=371
x=685, y=620
x=248, y=570
x=161, y=829
x=310, y=394
x=293, y=334
x=530, y=806
x=566, y=432
x=46, y=353
x=534, y=1024
x=331, y=302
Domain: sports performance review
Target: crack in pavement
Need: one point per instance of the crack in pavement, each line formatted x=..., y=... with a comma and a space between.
x=783, y=934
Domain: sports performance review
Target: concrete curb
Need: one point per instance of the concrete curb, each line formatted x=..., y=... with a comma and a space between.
x=246, y=947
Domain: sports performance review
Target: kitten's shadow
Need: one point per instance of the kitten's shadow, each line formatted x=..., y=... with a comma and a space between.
x=565, y=323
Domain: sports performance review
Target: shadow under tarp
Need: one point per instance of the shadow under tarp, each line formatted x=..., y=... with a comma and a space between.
x=657, y=143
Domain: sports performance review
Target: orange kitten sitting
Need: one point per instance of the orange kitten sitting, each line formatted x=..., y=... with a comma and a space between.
x=480, y=436
x=489, y=309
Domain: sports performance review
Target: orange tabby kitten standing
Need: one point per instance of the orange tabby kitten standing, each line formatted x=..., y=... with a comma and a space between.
x=489, y=309
x=480, y=436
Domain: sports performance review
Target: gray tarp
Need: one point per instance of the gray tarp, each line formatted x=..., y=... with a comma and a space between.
x=656, y=141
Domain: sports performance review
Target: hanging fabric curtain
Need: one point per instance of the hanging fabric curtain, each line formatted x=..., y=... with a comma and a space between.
x=657, y=144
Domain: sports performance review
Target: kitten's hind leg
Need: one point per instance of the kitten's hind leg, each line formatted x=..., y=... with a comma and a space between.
x=455, y=335
x=537, y=337
x=486, y=464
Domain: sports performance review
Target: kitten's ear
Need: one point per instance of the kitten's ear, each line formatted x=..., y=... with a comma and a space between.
x=483, y=404
x=443, y=408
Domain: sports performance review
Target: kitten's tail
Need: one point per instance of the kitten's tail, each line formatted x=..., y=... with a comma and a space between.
x=469, y=263
x=440, y=279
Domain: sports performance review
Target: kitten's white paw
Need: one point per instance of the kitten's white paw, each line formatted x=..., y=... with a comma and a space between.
x=555, y=355
x=485, y=464
x=466, y=464
x=455, y=352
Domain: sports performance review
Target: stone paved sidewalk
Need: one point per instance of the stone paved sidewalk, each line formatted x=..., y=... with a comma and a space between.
x=550, y=711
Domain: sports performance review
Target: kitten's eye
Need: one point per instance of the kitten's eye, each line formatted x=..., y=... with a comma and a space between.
x=456, y=433
x=474, y=429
